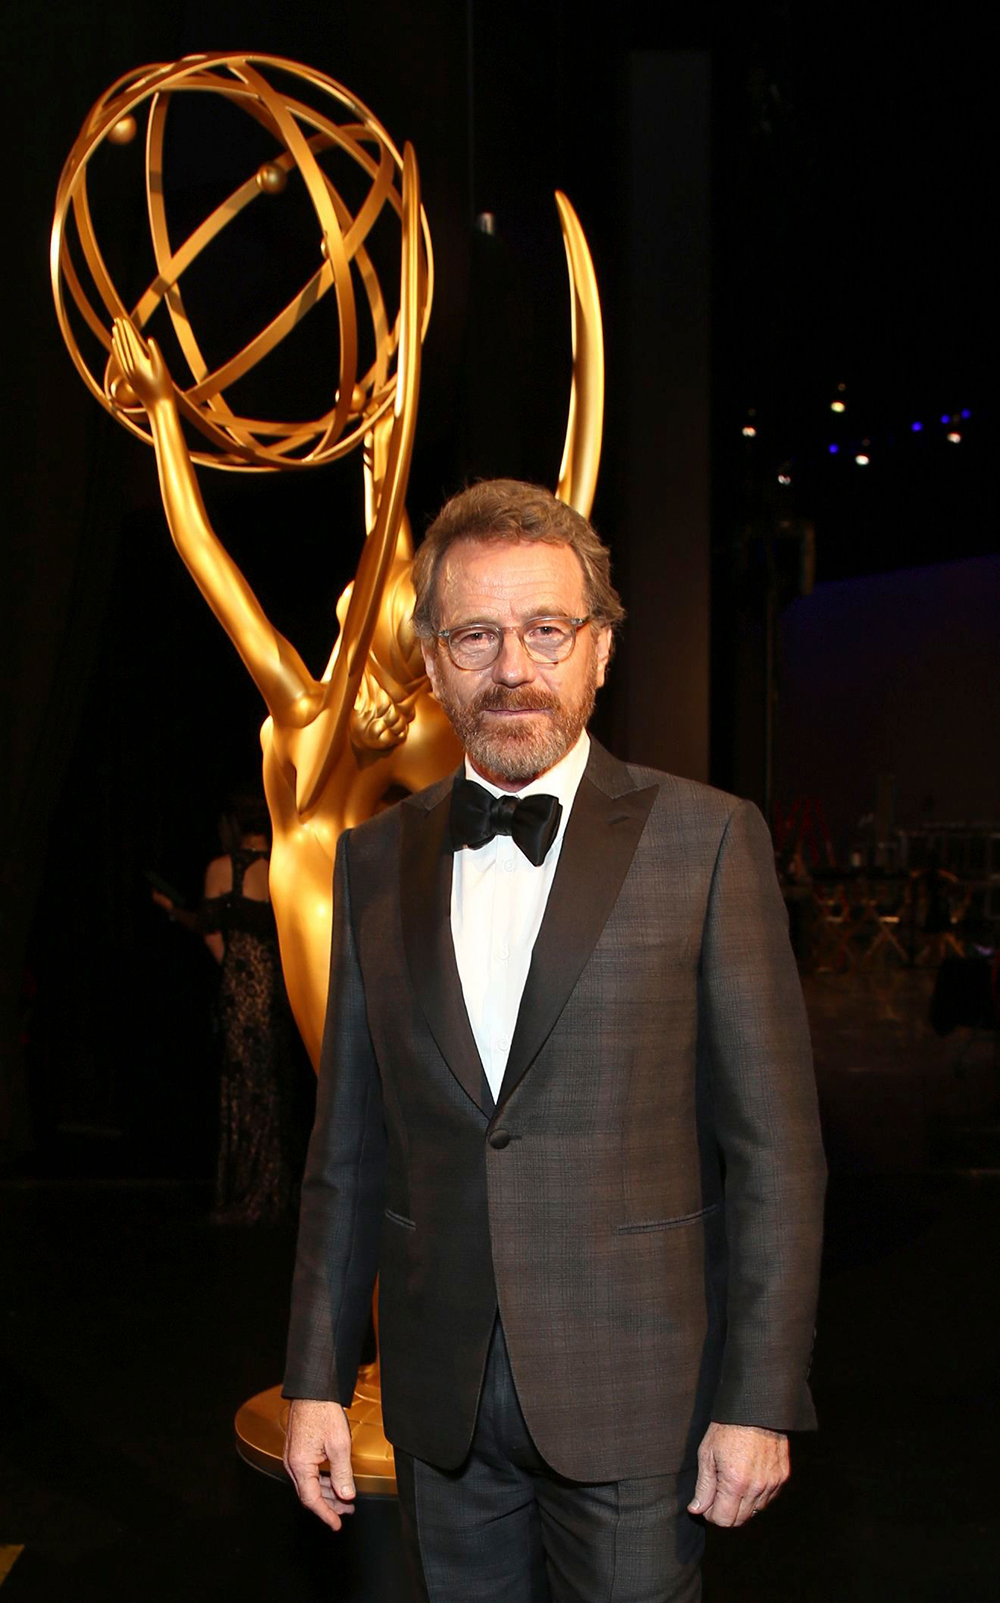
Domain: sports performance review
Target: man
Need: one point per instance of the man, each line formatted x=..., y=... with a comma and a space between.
x=563, y=1008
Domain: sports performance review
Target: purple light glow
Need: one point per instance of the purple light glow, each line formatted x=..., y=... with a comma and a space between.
x=916, y=427
x=966, y=412
x=946, y=418
x=833, y=449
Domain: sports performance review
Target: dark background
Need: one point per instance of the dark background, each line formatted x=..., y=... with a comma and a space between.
x=778, y=202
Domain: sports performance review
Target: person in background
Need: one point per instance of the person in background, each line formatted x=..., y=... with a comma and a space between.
x=939, y=890
x=254, y=1174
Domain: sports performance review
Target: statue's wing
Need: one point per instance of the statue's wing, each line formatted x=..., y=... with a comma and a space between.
x=582, y=449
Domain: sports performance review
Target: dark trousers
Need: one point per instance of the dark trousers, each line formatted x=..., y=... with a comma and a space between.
x=505, y=1528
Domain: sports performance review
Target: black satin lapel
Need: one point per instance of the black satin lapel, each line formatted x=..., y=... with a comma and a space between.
x=425, y=899
x=600, y=842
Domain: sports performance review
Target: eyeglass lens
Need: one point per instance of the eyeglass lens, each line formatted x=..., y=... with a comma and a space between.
x=544, y=640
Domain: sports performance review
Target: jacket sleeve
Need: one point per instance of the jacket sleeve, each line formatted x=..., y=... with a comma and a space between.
x=764, y=1095
x=343, y=1189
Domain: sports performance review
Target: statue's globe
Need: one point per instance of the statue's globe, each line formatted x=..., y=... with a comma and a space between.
x=313, y=153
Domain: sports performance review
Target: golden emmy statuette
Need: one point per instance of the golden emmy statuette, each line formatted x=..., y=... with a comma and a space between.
x=333, y=747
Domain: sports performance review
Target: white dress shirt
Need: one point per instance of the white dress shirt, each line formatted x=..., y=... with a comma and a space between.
x=498, y=900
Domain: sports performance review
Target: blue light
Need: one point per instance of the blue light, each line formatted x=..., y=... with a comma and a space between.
x=916, y=427
x=833, y=449
x=966, y=412
x=946, y=418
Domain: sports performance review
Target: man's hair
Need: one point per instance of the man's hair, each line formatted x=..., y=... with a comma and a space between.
x=504, y=510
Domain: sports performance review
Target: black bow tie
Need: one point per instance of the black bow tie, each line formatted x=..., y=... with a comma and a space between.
x=476, y=817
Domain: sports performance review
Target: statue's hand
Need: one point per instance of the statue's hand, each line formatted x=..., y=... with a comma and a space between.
x=140, y=365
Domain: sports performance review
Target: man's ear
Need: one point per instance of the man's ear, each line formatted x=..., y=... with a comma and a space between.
x=429, y=649
x=602, y=647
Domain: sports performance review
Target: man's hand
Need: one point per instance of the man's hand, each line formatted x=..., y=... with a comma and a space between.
x=740, y=1470
x=318, y=1431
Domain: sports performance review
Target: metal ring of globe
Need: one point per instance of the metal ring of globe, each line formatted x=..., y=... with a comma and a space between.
x=81, y=280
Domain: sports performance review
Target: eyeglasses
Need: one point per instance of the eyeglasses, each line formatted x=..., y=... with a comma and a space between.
x=477, y=645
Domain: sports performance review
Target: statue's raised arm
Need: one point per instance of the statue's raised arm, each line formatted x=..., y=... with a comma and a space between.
x=387, y=471
x=275, y=666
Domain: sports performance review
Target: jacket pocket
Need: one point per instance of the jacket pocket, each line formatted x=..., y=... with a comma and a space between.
x=400, y=1219
x=642, y=1225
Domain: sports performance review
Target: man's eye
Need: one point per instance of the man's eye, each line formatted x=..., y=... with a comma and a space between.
x=546, y=631
x=472, y=637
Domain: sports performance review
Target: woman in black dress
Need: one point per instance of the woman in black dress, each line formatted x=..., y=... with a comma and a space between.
x=254, y=1172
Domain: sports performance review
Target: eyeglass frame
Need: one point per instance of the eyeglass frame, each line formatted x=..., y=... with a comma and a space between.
x=501, y=629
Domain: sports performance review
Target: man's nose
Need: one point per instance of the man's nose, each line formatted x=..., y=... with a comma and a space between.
x=513, y=666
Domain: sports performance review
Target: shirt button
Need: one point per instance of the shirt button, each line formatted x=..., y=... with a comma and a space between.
x=509, y=865
x=503, y=953
x=502, y=1043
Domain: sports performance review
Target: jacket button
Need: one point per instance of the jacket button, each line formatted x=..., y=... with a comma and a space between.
x=499, y=1138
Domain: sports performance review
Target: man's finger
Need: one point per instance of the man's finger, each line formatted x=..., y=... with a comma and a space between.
x=705, y=1487
x=768, y=1495
x=725, y=1509
x=755, y=1499
x=341, y=1474
x=333, y=1501
x=311, y=1497
x=307, y=1484
x=749, y=1505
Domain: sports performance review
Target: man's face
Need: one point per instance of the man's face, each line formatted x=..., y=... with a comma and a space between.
x=515, y=718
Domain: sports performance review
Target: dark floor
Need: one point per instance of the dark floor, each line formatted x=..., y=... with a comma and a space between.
x=133, y=1330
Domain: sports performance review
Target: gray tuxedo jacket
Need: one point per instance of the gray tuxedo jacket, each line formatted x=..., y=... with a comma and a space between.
x=644, y=1201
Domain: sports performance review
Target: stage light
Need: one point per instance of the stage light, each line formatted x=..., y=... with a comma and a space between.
x=955, y=437
x=966, y=412
x=862, y=460
x=916, y=427
x=838, y=406
x=784, y=478
x=833, y=449
x=749, y=431
x=946, y=418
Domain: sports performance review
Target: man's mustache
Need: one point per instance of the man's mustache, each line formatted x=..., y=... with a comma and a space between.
x=503, y=698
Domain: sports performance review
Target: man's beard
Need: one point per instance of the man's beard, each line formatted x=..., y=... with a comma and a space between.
x=516, y=750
